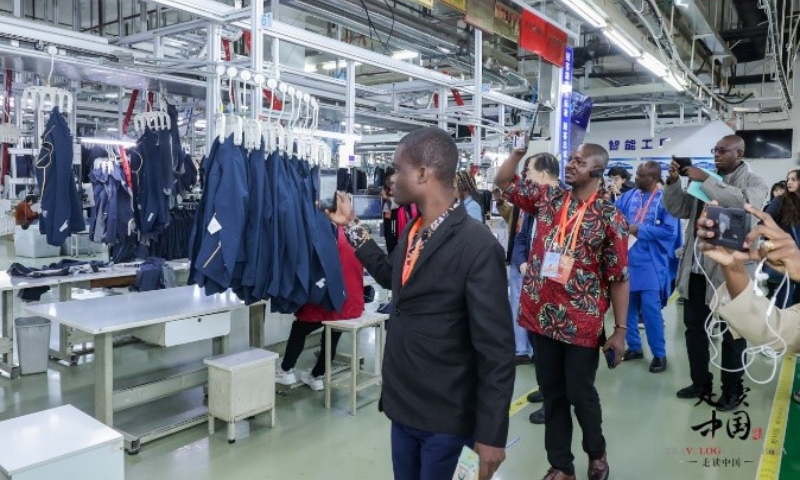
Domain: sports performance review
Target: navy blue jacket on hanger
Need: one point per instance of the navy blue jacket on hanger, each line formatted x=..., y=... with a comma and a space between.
x=62, y=208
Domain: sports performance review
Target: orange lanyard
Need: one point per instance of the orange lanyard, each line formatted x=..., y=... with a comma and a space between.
x=412, y=255
x=576, y=219
x=642, y=213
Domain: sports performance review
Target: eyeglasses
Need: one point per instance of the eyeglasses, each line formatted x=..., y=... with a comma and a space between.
x=722, y=150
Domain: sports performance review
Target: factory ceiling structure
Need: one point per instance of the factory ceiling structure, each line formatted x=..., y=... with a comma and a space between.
x=665, y=61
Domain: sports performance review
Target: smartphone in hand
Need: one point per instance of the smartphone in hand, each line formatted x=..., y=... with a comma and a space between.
x=610, y=358
x=682, y=162
x=731, y=226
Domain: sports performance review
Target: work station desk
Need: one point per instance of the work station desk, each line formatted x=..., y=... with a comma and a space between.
x=168, y=317
x=68, y=338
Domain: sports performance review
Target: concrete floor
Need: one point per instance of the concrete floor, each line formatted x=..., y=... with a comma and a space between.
x=648, y=429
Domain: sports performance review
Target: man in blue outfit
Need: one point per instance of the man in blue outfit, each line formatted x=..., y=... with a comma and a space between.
x=654, y=231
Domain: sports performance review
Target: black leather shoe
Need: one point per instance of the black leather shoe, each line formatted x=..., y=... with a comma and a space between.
x=522, y=360
x=658, y=365
x=694, y=391
x=537, y=417
x=632, y=355
x=536, y=397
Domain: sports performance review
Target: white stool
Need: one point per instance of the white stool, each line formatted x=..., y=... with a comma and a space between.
x=354, y=327
x=240, y=385
x=61, y=442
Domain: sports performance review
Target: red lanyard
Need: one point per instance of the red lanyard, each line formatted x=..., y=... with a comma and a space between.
x=576, y=219
x=412, y=256
x=642, y=212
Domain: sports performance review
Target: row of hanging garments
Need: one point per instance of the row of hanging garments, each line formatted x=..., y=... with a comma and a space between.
x=173, y=244
x=62, y=207
x=111, y=218
x=136, y=192
x=259, y=233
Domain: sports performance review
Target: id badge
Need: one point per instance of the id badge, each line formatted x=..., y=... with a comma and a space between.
x=557, y=267
x=550, y=265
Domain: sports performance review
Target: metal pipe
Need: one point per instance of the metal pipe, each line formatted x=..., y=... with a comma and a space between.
x=214, y=46
x=443, y=108
x=276, y=44
x=119, y=18
x=257, y=55
x=350, y=99
x=101, y=18
x=477, y=98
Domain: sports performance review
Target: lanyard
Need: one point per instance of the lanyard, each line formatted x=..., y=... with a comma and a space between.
x=412, y=250
x=576, y=219
x=642, y=212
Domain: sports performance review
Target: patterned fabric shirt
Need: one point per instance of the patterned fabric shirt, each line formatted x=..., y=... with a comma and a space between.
x=573, y=312
x=358, y=235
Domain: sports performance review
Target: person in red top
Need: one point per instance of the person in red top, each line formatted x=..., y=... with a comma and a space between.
x=309, y=319
x=578, y=267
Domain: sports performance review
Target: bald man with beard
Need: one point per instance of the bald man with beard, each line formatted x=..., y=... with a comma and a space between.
x=737, y=187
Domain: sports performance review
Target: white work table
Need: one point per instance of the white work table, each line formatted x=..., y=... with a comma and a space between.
x=60, y=442
x=167, y=317
x=9, y=285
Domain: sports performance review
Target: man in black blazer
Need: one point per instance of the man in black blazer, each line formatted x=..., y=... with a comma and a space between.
x=448, y=371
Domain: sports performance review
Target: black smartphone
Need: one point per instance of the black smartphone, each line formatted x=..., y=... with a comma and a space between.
x=610, y=357
x=731, y=226
x=327, y=189
x=683, y=162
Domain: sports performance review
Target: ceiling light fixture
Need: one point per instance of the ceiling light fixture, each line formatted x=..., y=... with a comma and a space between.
x=675, y=82
x=653, y=64
x=310, y=68
x=622, y=42
x=112, y=95
x=107, y=141
x=587, y=12
x=405, y=55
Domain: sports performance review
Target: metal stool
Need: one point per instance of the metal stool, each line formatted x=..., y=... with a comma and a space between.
x=354, y=327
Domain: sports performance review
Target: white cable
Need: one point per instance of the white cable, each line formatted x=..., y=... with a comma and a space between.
x=713, y=320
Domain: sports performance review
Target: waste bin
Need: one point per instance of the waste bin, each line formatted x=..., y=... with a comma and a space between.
x=33, y=344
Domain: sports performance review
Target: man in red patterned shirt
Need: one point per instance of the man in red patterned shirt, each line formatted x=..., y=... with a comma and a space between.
x=578, y=267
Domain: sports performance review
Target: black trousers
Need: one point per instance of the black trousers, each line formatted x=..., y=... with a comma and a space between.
x=695, y=313
x=297, y=340
x=566, y=375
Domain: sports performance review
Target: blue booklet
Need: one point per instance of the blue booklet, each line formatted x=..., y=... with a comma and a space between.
x=697, y=192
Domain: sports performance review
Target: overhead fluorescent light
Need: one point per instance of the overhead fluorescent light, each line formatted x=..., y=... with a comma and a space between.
x=107, y=141
x=405, y=55
x=112, y=95
x=622, y=42
x=586, y=12
x=443, y=49
x=675, y=82
x=310, y=68
x=112, y=129
x=653, y=64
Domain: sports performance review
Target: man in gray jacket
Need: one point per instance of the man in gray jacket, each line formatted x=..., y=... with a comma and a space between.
x=738, y=186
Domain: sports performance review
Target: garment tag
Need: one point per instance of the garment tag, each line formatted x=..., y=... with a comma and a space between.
x=468, y=465
x=631, y=241
x=150, y=217
x=214, y=226
x=65, y=226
